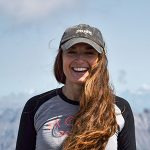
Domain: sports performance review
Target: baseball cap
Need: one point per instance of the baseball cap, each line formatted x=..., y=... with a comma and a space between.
x=82, y=33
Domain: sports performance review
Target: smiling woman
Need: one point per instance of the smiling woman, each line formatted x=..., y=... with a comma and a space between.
x=84, y=114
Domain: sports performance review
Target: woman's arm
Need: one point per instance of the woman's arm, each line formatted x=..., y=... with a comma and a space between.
x=126, y=138
x=26, y=139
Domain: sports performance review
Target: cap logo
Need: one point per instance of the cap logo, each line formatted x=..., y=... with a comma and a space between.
x=84, y=31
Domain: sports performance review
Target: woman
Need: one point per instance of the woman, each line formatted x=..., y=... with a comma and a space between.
x=84, y=114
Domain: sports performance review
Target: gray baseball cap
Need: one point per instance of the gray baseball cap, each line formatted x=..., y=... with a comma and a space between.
x=82, y=33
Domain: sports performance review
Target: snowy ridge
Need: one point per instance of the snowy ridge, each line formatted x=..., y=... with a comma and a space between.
x=142, y=126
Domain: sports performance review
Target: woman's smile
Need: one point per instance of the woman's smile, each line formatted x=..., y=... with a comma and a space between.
x=83, y=69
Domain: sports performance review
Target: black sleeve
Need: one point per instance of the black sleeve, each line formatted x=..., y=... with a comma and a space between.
x=26, y=134
x=126, y=138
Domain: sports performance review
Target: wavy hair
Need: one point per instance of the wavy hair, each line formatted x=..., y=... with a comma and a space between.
x=95, y=122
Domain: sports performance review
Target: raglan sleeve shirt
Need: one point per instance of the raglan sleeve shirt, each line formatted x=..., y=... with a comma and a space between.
x=26, y=139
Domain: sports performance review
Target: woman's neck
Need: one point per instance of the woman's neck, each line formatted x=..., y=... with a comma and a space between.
x=72, y=92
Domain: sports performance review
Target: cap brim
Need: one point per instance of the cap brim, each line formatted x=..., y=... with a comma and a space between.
x=74, y=41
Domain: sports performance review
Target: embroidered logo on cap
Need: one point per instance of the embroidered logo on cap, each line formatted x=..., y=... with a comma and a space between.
x=84, y=31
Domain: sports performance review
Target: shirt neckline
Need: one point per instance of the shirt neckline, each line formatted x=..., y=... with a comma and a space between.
x=60, y=93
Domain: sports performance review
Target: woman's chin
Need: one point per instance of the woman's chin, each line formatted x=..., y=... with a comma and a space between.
x=80, y=81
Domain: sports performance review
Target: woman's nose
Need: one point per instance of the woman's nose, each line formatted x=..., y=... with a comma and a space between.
x=80, y=57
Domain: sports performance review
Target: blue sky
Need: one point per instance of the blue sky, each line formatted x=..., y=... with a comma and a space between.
x=30, y=31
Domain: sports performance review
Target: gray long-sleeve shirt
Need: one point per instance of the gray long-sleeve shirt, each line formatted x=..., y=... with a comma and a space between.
x=47, y=120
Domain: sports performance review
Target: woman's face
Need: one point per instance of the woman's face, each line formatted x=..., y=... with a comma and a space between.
x=77, y=62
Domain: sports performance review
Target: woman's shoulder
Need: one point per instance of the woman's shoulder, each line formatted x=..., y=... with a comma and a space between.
x=36, y=101
x=123, y=105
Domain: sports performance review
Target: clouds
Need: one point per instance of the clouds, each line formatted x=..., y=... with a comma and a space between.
x=25, y=10
x=28, y=10
x=143, y=89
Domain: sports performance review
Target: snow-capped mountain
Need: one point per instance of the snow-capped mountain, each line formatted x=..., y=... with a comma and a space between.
x=142, y=126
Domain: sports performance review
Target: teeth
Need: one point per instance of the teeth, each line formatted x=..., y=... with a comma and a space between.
x=80, y=69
